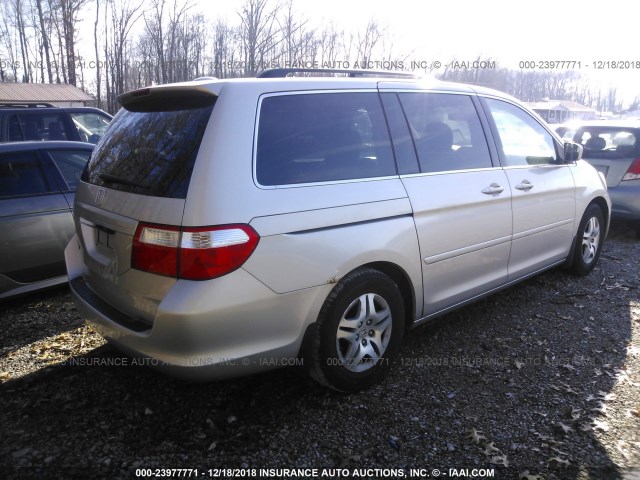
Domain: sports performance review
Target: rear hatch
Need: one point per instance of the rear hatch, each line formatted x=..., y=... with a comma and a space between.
x=612, y=150
x=138, y=175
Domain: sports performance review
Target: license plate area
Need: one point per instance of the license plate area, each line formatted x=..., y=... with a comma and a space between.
x=104, y=236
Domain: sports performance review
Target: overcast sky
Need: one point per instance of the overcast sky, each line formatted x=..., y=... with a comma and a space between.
x=506, y=31
x=586, y=30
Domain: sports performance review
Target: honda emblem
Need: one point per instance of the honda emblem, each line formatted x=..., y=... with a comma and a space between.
x=100, y=196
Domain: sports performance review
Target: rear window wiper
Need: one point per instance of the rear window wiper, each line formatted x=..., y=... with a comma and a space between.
x=108, y=178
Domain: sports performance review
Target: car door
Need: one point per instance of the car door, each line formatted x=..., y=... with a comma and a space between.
x=542, y=189
x=460, y=199
x=34, y=219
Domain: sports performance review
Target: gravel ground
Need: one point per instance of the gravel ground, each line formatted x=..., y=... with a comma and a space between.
x=541, y=381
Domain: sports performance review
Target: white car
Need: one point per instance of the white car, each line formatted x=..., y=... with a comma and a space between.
x=230, y=226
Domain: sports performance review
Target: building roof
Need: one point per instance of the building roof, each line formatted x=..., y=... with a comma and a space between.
x=559, y=105
x=41, y=92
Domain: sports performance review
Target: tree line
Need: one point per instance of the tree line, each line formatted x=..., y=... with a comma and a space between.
x=126, y=45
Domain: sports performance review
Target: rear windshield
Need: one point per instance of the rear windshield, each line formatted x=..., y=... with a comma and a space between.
x=149, y=152
x=606, y=142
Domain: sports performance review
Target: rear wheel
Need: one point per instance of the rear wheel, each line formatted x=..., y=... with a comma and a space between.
x=360, y=328
x=589, y=241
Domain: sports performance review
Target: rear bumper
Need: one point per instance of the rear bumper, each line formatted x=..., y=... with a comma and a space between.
x=227, y=327
x=625, y=198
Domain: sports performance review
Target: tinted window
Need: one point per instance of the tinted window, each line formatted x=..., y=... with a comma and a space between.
x=22, y=174
x=446, y=131
x=322, y=137
x=402, y=141
x=71, y=163
x=607, y=142
x=38, y=126
x=524, y=140
x=149, y=153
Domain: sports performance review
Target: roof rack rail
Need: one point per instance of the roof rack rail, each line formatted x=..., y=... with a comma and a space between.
x=285, y=72
x=25, y=104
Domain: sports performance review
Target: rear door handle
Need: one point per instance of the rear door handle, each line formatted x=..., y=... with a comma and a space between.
x=493, y=189
x=525, y=185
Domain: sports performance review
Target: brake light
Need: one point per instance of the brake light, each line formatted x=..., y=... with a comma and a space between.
x=192, y=253
x=155, y=249
x=634, y=171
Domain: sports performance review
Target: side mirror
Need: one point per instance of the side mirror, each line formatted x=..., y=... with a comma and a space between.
x=572, y=152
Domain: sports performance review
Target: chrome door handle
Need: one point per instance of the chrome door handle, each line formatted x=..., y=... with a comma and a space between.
x=492, y=189
x=525, y=185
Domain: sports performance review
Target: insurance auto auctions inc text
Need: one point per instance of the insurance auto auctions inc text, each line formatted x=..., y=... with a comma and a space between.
x=369, y=473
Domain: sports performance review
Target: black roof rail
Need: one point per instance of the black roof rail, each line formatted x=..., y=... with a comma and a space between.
x=26, y=105
x=285, y=72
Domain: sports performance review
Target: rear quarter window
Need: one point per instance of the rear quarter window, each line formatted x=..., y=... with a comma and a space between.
x=322, y=137
x=150, y=152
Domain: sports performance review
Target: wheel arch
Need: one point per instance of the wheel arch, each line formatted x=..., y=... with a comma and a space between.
x=604, y=206
x=393, y=271
x=401, y=278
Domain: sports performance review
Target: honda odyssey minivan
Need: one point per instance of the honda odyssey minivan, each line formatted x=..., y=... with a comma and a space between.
x=229, y=226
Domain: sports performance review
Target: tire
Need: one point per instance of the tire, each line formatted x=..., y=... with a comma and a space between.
x=588, y=241
x=359, y=331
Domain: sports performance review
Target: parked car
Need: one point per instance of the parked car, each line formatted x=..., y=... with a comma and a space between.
x=43, y=121
x=613, y=148
x=38, y=181
x=229, y=226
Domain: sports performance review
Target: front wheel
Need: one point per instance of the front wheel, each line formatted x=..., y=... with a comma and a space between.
x=360, y=328
x=589, y=240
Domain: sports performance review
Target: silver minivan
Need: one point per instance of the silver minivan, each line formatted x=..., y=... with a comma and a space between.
x=230, y=226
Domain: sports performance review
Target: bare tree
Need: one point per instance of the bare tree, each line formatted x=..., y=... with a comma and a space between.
x=44, y=35
x=223, y=50
x=97, y=53
x=367, y=42
x=258, y=34
x=123, y=17
x=299, y=43
x=329, y=46
x=69, y=10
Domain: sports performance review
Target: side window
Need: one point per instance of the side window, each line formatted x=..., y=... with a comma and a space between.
x=402, y=140
x=322, y=137
x=91, y=126
x=39, y=126
x=54, y=127
x=446, y=131
x=524, y=141
x=15, y=132
x=22, y=174
x=71, y=163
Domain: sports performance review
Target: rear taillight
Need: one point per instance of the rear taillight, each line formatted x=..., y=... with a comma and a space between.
x=192, y=253
x=634, y=171
x=155, y=249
